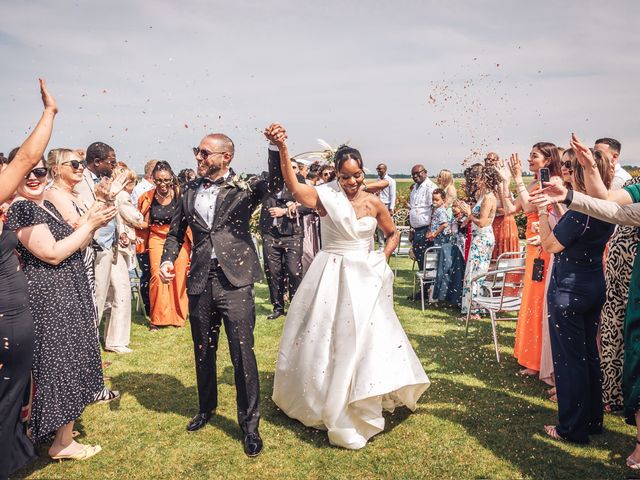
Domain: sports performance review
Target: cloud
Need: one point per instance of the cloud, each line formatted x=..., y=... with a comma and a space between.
x=133, y=74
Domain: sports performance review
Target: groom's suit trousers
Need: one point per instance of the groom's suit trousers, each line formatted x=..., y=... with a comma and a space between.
x=219, y=303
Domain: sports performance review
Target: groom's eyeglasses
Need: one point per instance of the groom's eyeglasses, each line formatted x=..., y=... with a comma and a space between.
x=76, y=164
x=204, y=154
x=39, y=173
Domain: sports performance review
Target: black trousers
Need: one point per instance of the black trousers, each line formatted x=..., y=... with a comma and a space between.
x=145, y=278
x=220, y=303
x=282, y=266
x=574, y=313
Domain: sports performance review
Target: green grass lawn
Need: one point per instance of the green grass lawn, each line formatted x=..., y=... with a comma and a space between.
x=478, y=419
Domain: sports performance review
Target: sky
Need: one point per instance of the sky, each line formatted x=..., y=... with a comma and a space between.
x=405, y=82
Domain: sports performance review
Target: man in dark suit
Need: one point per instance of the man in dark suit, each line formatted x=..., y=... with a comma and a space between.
x=224, y=266
x=282, y=233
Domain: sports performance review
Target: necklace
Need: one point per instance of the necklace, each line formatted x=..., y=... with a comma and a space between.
x=163, y=197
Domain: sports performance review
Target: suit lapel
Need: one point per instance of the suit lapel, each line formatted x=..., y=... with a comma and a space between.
x=222, y=205
x=191, y=205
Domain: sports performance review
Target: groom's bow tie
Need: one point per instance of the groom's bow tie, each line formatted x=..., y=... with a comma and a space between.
x=207, y=182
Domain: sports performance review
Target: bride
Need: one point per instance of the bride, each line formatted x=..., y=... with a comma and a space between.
x=343, y=354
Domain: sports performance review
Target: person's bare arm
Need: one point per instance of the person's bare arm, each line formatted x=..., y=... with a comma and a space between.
x=547, y=238
x=375, y=186
x=385, y=223
x=63, y=205
x=41, y=243
x=32, y=149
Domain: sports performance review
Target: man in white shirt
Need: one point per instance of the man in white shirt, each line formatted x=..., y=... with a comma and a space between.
x=612, y=148
x=420, y=211
x=145, y=185
x=387, y=196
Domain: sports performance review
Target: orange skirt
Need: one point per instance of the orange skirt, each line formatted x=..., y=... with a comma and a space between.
x=505, y=231
x=528, y=346
x=169, y=302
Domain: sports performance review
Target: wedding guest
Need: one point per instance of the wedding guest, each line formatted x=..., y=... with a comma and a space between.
x=185, y=176
x=327, y=173
x=67, y=369
x=528, y=344
x=575, y=299
x=612, y=148
x=282, y=237
x=387, y=195
x=16, y=322
x=621, y=212
x=420, y=203
x=142, y=255
x=444, y=180
x=470, y=189
x=505, y=229
x=439, y=230
x=168, y=301
x=117, y=330
x=480, y=217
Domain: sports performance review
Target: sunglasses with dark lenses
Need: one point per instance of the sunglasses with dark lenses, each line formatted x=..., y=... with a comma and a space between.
x=568, y=165
x=39, y=173
x=75, y=164
x=159, y=181
x=416, y=174
x=204, y=154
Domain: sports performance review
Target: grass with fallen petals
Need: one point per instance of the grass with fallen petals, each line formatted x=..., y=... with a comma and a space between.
x=478, y=419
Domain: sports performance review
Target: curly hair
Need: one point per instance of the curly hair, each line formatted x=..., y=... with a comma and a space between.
x=491, y=178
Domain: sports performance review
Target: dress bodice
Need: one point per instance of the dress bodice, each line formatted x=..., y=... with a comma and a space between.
x=476, y=213
x=342, y=232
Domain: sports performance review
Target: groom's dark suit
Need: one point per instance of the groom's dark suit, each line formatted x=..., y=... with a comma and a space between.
x=221, y=289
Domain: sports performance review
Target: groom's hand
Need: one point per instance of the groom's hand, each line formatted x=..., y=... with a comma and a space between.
x=276, y=134
x=167, y=272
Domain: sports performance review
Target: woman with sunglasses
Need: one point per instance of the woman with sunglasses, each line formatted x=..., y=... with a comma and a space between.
x=575, y=298
x=67, y=367
x=16, y=322
x=169, y=303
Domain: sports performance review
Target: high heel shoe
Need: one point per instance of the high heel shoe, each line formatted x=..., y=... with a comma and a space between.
x=631, y=463
x=87, y=451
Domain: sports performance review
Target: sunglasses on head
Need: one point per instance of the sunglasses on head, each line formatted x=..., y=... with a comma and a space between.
x=39, y=173
x=75, y=164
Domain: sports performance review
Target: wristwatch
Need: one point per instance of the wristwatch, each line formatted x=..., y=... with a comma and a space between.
x=569, y=198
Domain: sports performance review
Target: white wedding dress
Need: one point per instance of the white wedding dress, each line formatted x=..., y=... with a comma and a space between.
x=344, y=355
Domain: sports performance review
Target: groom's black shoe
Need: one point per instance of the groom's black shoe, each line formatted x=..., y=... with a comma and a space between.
x=199, y=421
x=275, y=314
x=252, y=444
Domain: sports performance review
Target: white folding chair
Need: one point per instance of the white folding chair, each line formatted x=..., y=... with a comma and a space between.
x=404, y=247
x=427, y=276
x=497, y=291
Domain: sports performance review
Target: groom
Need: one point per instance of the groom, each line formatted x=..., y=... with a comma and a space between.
x=224, y=266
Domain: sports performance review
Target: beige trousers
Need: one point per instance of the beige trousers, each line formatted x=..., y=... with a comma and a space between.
x=112, y=283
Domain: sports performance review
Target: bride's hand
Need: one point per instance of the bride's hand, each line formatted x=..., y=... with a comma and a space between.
x=276, y=134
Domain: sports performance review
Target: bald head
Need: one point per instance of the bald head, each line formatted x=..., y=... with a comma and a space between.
x=222, y=143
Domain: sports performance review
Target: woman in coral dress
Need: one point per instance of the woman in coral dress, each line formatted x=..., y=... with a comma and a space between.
x=169, y=302
x=528, y=344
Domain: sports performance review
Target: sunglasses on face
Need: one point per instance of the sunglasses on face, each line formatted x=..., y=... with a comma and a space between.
x=204, y=154
x=76, y=164
x=39, y=173
x=417, y=174
x=159, y=181
x=567, y=164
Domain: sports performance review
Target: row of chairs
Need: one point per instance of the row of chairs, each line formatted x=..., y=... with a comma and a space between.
x=497, y=291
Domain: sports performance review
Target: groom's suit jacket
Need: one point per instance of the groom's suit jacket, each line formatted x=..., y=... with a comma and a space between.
x=229, y=234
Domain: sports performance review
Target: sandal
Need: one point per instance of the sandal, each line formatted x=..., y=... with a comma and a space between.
x=105, y=395
x=631, y=463
x=88, y=451
x=551, y=432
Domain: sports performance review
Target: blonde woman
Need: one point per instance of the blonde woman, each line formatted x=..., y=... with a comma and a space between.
x=445, y=182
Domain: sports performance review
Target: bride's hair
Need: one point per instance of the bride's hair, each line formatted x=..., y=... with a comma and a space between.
x=345, y=153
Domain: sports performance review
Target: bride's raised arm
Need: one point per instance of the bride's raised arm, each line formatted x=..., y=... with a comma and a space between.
x=303, y=193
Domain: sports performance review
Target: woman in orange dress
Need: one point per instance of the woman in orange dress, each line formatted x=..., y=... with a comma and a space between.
x=505, y=229
x=528, y=344
x=169, y=302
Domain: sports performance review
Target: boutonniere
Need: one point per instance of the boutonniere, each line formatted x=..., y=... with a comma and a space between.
x=240, y=182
